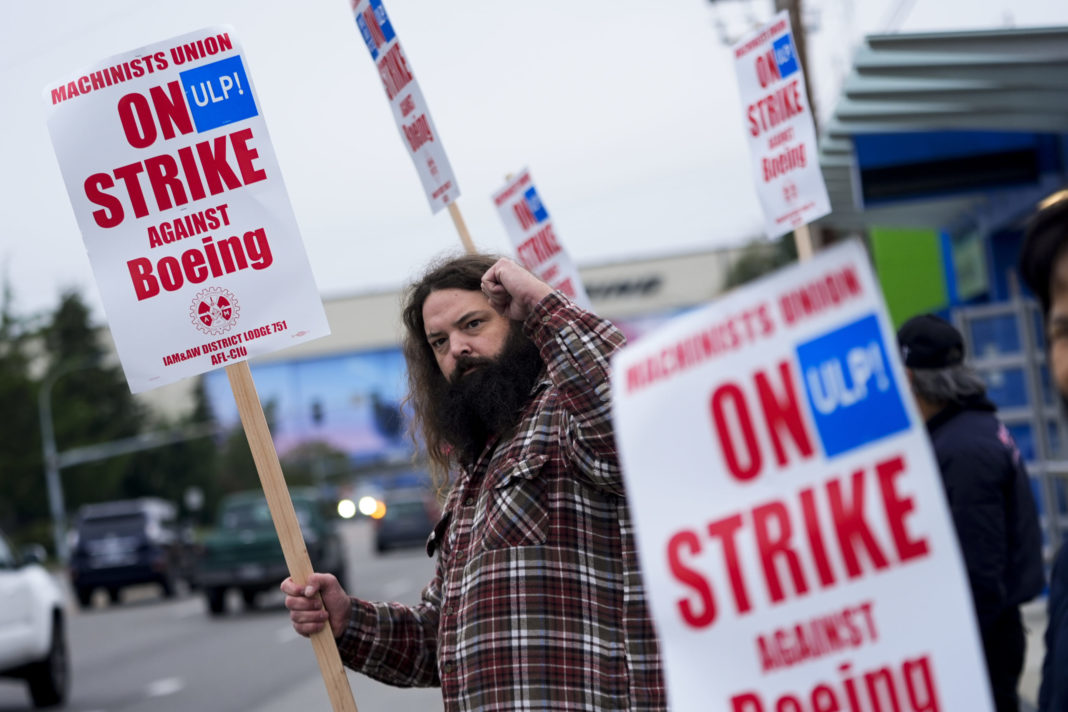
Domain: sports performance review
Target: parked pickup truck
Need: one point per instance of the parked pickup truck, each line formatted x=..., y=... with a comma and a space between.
x=242, y=551
x=33, y=631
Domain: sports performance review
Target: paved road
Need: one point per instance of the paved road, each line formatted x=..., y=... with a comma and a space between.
x=154, y=655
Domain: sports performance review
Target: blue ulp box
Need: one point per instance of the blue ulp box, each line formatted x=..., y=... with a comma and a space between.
x=379, y=35
x=850, y=387
x=218, y=94
x=537, y=209
x=785, y=56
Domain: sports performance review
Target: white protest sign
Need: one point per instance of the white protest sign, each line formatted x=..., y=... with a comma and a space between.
x=182, y=208
x=409, y=108
x=791, y=522
x=530, y=228
x=782, y=134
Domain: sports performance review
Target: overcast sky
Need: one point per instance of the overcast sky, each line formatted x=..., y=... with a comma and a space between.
x=626, y=113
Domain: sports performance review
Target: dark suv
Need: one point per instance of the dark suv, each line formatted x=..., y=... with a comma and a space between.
x=242, y=552
x=125, y=543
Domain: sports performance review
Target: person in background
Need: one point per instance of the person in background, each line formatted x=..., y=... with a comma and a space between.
x=988, y=492
x=537, y=601
x=1044, y=268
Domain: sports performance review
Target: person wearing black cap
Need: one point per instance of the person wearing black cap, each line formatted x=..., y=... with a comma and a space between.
x=988, y=492
x=1044, y=268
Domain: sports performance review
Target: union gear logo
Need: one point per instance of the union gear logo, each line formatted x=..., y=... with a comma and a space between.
x=214, y=310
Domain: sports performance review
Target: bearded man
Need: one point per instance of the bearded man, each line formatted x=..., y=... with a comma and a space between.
x=537, y=601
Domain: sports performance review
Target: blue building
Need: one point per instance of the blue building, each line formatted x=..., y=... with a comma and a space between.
x=941, y=146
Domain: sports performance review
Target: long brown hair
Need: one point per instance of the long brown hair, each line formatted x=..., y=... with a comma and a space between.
x=463, y=272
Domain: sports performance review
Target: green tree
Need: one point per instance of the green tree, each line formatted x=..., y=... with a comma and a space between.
x=237, y=469
x=313, y=462
x=22, y=491
x=760, y=257
x=91, y=403
x=170, y=470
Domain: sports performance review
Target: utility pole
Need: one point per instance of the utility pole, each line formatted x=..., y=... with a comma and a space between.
x=807, y=237
x=54, y=460
x=801, y=45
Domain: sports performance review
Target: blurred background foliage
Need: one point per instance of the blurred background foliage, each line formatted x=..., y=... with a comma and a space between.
x=91, y=404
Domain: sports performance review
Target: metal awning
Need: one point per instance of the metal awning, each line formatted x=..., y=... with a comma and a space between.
x=999, y=80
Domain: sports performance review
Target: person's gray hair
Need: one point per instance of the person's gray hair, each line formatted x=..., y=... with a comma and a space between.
x=947, y=385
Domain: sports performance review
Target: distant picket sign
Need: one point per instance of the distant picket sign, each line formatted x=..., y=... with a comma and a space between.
x=410, y=111
x=529, y=227
x=182, y=208
x=789, y=512
x=780, y=128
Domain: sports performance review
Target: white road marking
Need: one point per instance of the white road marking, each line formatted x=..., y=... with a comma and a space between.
x=164, y=687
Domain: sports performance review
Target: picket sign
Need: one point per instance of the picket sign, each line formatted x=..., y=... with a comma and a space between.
x=781, y=131
x=530, y=228
x=788, y=507
x=192, y=240
x=420, y=136
x=461, y=228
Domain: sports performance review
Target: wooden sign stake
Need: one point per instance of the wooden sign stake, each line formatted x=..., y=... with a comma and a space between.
x=803, y=243
x=286, y=524
x=461, y=227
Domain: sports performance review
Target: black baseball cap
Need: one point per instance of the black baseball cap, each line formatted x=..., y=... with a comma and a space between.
x=929, y=341
x=1045, y=237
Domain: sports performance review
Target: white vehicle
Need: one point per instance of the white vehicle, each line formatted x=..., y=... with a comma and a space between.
x=33, y=637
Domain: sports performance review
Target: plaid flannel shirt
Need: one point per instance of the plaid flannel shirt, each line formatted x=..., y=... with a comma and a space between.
x=537, y=602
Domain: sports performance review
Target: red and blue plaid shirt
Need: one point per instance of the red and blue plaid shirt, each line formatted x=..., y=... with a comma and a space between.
x=537, y=602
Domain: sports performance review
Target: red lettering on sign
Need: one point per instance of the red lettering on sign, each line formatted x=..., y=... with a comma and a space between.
x=188, y=226
x=817, y=637
x=523, y=214
x=372, y=25
x=418, y=133
x=781, y=105
x=730, y=414
x=817, y=296
x=771, y=525
x=394, y=71
x=567, y=288
x=539, y=248
x=136, y=67
x=139, y=122
x=208, y=164
x=789, y=160
x=851, y=525
x=703, y=612
x=767, y=69
x=909, y=687
x=195, y=265
x=694, y=349
x=784, y=558
x=729, y=408
x=524, y=180
x=207, y=47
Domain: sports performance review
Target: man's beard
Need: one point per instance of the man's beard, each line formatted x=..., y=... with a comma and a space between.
x=486, y=396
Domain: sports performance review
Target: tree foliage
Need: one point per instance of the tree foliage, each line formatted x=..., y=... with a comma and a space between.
x=760, y=257
x=91, y=404
x=64, y=359
x=22, y=491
